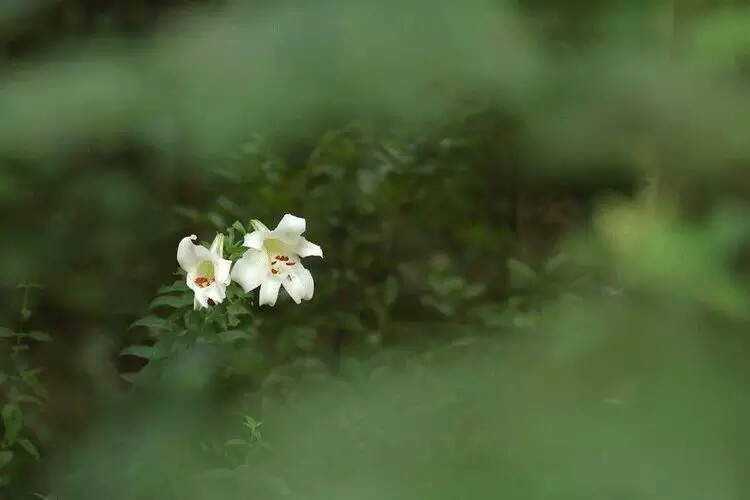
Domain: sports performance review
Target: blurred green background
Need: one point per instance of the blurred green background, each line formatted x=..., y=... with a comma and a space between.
x=534, y=222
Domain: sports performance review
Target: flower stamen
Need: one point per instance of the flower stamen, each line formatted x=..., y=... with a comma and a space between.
x=202, y=281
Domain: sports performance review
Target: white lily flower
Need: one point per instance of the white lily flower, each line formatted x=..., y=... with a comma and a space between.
x=273, y=261
x=207, y=270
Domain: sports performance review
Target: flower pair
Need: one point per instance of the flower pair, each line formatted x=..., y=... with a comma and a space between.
x=271, y=261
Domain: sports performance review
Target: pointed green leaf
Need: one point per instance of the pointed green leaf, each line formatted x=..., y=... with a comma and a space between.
x=13, y=422
x=153, y=323
x=520, y=275
x=232, y=335
x=140, y=351
x=239, y=227
x=5, y=457
x=30, y=448
x=40, y=336
x=258, y=225
x=173, y=301
x=391, y=290
x=177, y=286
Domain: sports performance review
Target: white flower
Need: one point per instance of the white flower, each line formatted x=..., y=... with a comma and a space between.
x=207, y=270
x=273, y=260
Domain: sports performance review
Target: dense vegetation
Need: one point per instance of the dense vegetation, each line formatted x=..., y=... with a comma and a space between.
x=533, y=218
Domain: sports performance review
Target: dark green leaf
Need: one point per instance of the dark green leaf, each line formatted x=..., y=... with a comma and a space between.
x=30, y=374
x=391, y=290
x=153, y=323
x=177, y=286
x=37, y=388
x=520, y=274
x=173, y=301
x=232, y=335
x=30, y=448
x=5, y=457
x=13, y=422
x=141, y=351
x=40, y=336
x=6, y=333
x=26, y=398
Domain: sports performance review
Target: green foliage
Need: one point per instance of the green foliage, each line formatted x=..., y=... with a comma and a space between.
x=24, y=395
x=458, y=344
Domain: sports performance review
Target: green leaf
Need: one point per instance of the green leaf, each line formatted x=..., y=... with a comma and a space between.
x=40, y=336
x=177, y=286
x=140, y=351
x=555, y=262
x=26, y=398
x=13, y=422
x=6, y=333
x=391, y=290
x=5, y=457
x=239, y=227
x=520, y=274
x=30, y=448
x=37, y=388
x=173, y=301
x=30, y=374
x=153, y=323
x=232, y=335
x=236, y=442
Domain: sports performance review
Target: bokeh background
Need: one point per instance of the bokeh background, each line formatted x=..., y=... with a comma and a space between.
x=534, y=220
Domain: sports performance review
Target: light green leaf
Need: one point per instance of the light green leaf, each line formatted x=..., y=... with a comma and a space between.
x=239, y=227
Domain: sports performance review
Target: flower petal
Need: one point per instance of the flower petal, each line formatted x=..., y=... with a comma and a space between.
x=201, y=297
x=216, y=292
x=305, y=248
x=222, y=269
x=308, y=285
x=213, y=294
x=290, y=228
x=251, y=270
x=255, y=239
x=269, y=291
x=293, y=287
x=188, y=255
